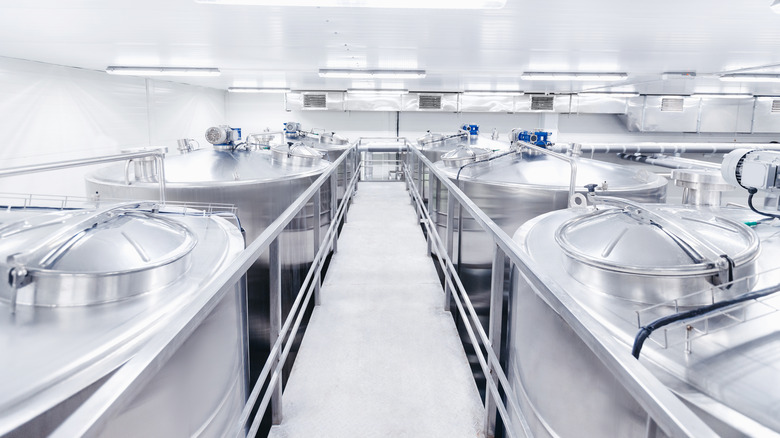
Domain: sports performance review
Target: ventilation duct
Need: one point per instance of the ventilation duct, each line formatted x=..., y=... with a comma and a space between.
x=430, y=102
x=672, y=104
x=776, y=106
x=315, y=101
x=542, y=103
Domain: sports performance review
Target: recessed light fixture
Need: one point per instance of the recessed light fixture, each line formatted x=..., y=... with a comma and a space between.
x=162, y=71
x=722, y=95
x=607, y=94
x=372, y=74
x=572, y=76
x=257, y=90
x=492, y=93
x=408, y=4
x=751, y=77
x=377, y=91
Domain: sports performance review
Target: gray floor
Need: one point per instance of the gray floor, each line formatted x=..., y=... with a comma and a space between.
x=380, y=357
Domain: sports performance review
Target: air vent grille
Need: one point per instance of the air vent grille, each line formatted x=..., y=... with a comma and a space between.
x=776, y=106
x=314, y=101
x=672, y=104
x=542, y=103
x=430, y=102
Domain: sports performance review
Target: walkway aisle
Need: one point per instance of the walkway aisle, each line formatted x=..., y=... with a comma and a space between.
x=380, y=358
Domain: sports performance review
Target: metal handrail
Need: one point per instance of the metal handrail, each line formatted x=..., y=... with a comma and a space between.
x=662, y=406
x=158, y=154
x=121, y=388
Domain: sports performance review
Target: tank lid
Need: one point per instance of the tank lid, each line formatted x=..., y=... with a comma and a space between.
x=91, y=256
x=702, y=179
x=657, y=240
x=296, y=153
x=465, y=154
x=331, y=138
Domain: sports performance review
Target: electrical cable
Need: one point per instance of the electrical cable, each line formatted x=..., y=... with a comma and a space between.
x=646, y=331
x=752, y=191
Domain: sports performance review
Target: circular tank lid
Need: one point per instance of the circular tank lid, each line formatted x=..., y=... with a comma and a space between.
x=657, y=240
x=550, y=173
x=331, y=138
x=429, y=137
x=93, y=256
x=701, y=179
x=465, y=154
x=297, y=153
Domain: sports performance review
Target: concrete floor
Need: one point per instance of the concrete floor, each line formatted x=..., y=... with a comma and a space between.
x=380, y=357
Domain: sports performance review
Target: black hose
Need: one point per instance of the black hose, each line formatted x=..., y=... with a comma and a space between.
x=646, y=331
x=752, y=192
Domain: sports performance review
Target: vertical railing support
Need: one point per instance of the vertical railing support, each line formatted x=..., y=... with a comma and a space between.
x=494, y=334
x=317, y=224
x=275, y=301
x=334, y=203
x=451, y=201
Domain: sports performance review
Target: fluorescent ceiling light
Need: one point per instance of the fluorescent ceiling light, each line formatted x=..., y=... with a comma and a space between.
x=549, y=76
x=375, y=91
x=372, y=74
x=162, y=71
x=408, y=4
x=723, y=95
x=751, y=77
x=492, y=93
x=257, y=90
x=606, y=94
x=776, y=6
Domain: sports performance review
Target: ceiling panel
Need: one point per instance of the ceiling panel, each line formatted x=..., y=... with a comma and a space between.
x=460, y=49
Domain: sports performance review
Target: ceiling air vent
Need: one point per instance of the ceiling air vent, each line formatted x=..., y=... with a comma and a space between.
x=314, y=101
x=776, y=106
x=430, y=102
x=674, y=104
x=542, y=103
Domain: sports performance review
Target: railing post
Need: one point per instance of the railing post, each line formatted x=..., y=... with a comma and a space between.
x=334, y=204
x=451, y=201
x=494, y=334
x=275, y=302
x=431, y=204
x=316, y=221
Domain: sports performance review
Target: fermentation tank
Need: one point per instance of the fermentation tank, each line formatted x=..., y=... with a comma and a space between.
x=629, y=264
x=512, y=187
x=329, y=143
x=90, y=288
x=433, y=146
x=261, y=184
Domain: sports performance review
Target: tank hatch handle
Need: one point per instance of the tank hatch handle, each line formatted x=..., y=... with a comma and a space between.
x=697, y=250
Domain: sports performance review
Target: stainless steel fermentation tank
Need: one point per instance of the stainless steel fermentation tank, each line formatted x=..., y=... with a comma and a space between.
x=90, y=288
x=434, y=145
x=329, y=143
x=512, y=188
x=261, y=184
x=628, y=264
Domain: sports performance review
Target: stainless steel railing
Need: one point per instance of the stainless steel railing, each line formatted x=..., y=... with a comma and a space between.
x=663, y=408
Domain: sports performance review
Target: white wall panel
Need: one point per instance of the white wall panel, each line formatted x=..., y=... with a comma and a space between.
x=50, y=113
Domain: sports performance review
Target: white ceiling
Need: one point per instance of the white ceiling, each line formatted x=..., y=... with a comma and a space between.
x=460, y=49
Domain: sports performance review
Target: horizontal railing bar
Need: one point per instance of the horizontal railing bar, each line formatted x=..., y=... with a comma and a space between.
x=447, y=265
x=285, y=330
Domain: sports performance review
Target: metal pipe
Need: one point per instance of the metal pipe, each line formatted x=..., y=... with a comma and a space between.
x=669, y=162
x=158, y=154
x=662, y=147
x=316, y=225
x=572, y=164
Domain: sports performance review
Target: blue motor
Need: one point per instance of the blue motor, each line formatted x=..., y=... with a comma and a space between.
x=473, y=130
x=538, y=138
x=223, y=135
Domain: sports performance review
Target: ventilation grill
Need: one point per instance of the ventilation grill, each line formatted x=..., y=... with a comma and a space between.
x=430, y=102
x=314, y=101
x=542, y=103
x=776, y=106
x=673, y=104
